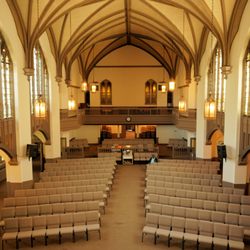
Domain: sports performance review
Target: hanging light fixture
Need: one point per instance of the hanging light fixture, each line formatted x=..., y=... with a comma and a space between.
x=163, y=86
x=71, y=102
x=40, y=105
x=84, y=86
x=171, y=85
x=182, y=105
x=210, y=104
x=182, y=102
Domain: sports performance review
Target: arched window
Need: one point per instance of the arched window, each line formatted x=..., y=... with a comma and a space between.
x=150, y=92
x=6, y=78
x=7, y=111
x=217, y=84
x=106, y=92
x=245, y=101
x=246, y=83
x=40, y=82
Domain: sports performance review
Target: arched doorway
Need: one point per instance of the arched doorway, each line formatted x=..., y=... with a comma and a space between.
x=39, y=138
x=215, y=138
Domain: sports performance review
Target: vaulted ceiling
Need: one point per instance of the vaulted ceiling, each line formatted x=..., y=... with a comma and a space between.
x=88, y=30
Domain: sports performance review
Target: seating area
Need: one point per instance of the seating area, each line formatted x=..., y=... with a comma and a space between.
x=67, y=201
x=192, y=191
x=196, y=231
x=51, y=225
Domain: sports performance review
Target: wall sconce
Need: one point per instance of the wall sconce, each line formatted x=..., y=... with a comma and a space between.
x=94, y=88
x=40, y=107
x=171, y=85
x=163, y=88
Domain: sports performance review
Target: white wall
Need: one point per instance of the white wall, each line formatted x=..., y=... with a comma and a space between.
x=89, y=132
x=166, y=132
x=128, y=84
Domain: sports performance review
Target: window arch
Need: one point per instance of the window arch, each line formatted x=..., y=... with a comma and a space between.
x=217, y=84
x=39, y=87
x=106, y=92
x=7, y=85
x=245, y=103
x=7, y=110
x=151, y=92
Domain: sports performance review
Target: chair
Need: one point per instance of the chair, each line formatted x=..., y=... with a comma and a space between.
x=39, y=227
x=218, y=216
x=201, y=195
x=235, y=237
x=45, y=209
x=8, y=212
x=11, y=230
x=55, y=198
x=151, y=225
x=21, y=201
x=69, y=207
x=180, y=212
x=21, y=211
x=164, y=227
x=58, y=208
x=79, y=223
x=53, y=224
x=209, y=205
x=197, y=203
x=205, y=233
x=93, y=223
x=155, y=208
x=204, y=215
x=32, y=200
x=25, y=228
x=235, y=198
x=221, y=206
x=192, y=213
x=245, y=210
x=177, y=229
x=191, y=231
x=220, y=235
x=167, y=210
x=184, y=202
x=33, y=210
x=9, y=202
x=223, y=198
x=244, y=221
x=43, y=199
x=66, y=225
x=232, y=219
x=234, y=208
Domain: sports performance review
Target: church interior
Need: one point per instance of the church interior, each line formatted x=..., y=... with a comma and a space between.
x=124, y=124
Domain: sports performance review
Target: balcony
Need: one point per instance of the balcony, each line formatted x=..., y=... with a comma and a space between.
x=128, y=115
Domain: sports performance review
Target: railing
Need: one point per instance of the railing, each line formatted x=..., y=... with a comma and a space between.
x=128, y=115
x=129, y=111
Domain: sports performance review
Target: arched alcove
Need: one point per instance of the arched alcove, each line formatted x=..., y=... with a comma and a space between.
x=215, y=138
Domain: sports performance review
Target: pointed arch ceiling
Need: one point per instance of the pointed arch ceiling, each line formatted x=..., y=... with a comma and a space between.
x=87, y=30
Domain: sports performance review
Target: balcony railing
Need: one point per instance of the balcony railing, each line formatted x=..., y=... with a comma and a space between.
x=128, y=115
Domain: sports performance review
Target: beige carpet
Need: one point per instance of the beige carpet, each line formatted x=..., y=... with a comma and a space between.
x=121, y=225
